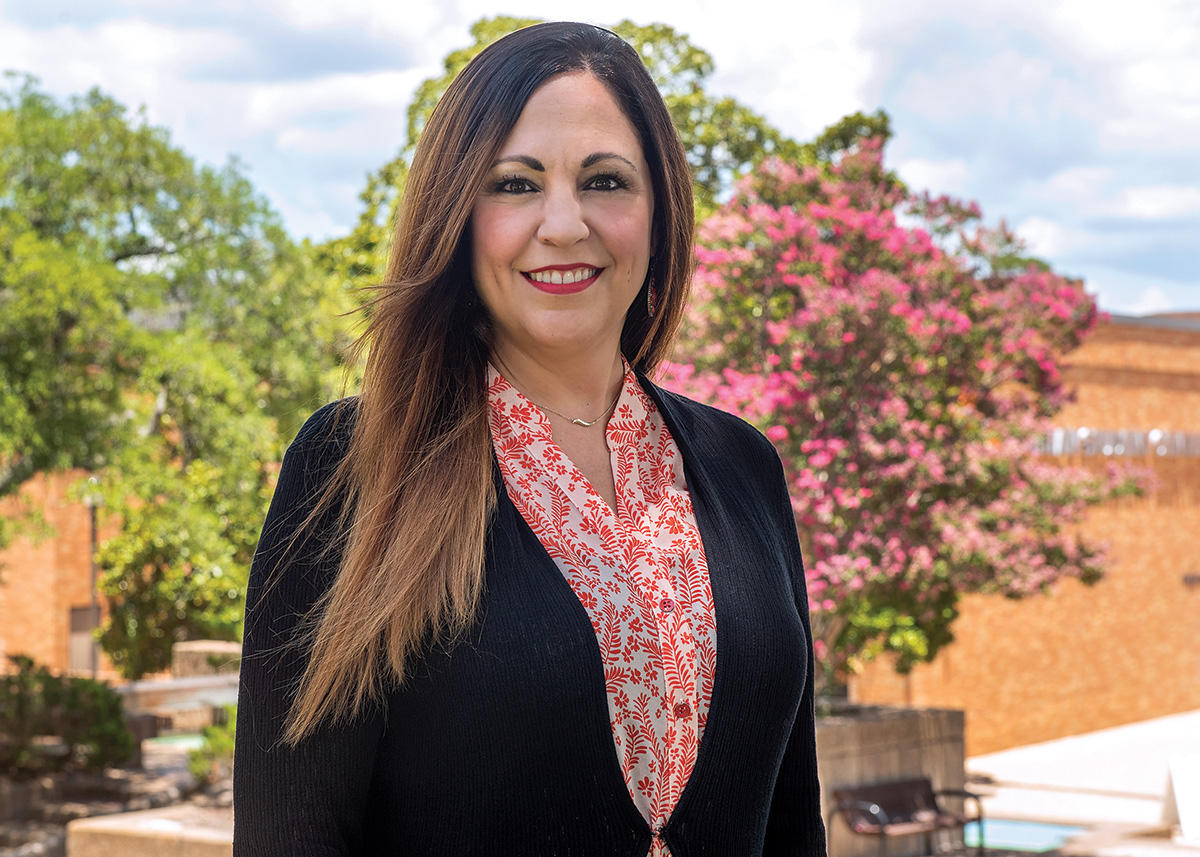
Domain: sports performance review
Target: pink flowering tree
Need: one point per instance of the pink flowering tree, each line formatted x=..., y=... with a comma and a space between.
x=905, y=361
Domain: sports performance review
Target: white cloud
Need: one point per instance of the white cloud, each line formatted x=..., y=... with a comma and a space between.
x=1075, y=185
x=307, y=210
x=1159, y=202
x=1050, y=239
x=938, y=177
x=802, y=65
x=1136, y=293
x=135, y=57
x=426, y=31
x=393, y=18
x=987, y=99
x=364, y=133
x=275, y=104
x=1006, y=85
x=1153, y=54
x=1151, y=300
x=1092, y=192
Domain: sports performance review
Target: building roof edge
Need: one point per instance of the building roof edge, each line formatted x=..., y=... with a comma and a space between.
x=1158, y=321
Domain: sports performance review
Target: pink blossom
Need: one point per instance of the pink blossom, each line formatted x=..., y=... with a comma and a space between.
x=910, y=456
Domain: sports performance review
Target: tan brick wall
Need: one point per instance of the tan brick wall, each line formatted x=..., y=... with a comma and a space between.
x=1082, y=658
x=41, y=581
x=1129, y=377
x=1126, y=649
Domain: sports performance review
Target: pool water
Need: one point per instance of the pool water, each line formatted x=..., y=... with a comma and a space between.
x=185, y=741
x=1021, y=835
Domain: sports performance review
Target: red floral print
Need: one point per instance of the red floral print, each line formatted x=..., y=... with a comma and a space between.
x=639, y=572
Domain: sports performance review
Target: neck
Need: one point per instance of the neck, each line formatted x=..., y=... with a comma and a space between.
x=579, y=389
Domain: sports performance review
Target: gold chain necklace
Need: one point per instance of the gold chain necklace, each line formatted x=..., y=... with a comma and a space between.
x=574, y=420
x=578, y=421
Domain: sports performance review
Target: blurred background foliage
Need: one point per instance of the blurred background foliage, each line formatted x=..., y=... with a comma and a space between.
x=83, y=717
x=159, y=328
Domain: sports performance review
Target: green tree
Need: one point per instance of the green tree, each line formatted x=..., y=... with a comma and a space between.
x=67, y=347
x=157, y=327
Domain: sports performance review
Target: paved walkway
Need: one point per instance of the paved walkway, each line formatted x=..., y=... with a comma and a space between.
x=1113, y=782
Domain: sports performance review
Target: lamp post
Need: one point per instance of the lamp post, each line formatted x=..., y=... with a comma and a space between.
x=93, y=500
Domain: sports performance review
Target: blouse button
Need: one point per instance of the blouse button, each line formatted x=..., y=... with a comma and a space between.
x=682, y=710
x=666, y=605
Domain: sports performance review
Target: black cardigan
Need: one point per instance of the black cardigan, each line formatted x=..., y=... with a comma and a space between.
x=501, y=744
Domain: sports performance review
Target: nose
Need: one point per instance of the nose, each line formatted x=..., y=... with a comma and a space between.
x=563, y=222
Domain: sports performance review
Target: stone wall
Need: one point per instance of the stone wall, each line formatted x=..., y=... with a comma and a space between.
x=21, y=799
x=205, y=657
x=184, y=704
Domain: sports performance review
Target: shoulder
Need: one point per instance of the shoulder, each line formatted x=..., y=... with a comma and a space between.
x=294, y=536
x=321, y=443
x=709, y=429
x=721, y=446
x=329, y=428
x=309, y=464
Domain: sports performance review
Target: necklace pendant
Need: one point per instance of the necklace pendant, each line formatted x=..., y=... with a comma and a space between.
x=584, y=423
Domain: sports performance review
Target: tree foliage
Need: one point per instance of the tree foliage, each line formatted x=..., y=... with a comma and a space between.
x=905, y=360
x=158, y=327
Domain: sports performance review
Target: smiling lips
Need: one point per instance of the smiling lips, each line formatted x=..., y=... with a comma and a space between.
x=562, y=279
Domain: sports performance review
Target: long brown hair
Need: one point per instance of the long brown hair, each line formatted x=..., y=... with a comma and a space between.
x=417, y=480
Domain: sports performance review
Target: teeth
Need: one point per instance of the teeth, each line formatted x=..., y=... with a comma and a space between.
x=560, y=277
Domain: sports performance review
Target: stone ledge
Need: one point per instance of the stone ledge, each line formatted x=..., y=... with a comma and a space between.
x=178, y=831
x=205, y=657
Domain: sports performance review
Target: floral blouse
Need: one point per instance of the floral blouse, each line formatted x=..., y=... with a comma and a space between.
x=639, y=571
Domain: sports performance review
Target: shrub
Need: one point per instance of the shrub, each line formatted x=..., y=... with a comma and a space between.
x=53, y=723
x=214, y=760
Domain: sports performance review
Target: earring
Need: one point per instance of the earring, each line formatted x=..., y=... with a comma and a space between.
x=651, y=293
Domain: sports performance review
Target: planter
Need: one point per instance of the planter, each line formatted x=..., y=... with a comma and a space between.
x=860, y=745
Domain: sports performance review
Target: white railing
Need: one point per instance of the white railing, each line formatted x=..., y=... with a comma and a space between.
x=1123, y=442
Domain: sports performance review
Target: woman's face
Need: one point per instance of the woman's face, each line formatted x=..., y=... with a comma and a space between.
x=561, y=227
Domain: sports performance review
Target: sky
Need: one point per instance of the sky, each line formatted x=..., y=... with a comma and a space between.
x=1077, y=122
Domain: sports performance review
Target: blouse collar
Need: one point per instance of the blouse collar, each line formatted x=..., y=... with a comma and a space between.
x=522, y=415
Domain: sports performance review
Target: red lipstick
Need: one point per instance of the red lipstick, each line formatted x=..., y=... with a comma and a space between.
x=546, y=284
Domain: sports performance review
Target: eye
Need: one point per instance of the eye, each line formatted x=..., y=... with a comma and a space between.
x=514, y=185
x=605, y=181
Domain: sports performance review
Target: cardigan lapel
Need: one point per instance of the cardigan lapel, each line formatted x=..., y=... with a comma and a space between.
x=757, y=665
x=716, y=538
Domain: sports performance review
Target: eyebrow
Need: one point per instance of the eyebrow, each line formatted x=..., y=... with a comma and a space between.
x=596, y=157
x=538, y=166
x=532, y=163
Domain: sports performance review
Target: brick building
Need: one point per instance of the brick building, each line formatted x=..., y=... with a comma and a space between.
x=1128, y=648
x=46, y=600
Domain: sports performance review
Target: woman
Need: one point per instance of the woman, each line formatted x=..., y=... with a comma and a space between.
x=514, y=598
